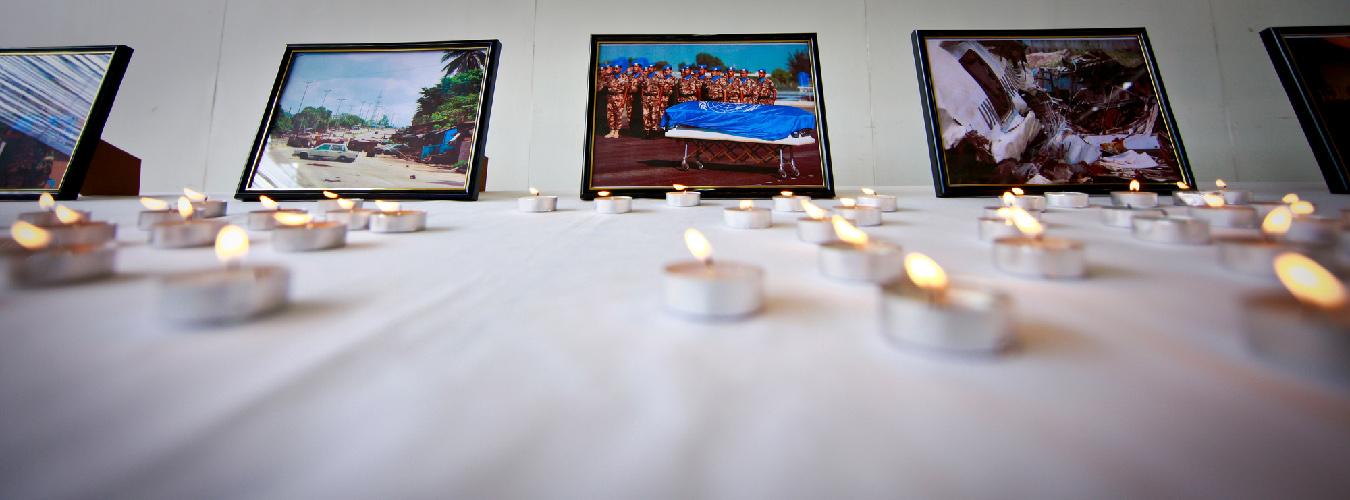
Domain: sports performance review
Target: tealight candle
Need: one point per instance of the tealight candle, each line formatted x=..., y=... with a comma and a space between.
x=188, y=231
x=1184, y=196
x=1171, y=230
x=747, y=216
x=862, y=216
x=300, y=233
x=1309, y=331
x=1263, y=208
x=856, y=257
x=235, y=293
x=72, y=229
x=928, y=312
x=206, y=209
x=1134, y=197
x=996, y=212
x=1124, y=216
x=356, y=219
x=706, y=289
x=1066, y=200
x=1254, y=254
x=606, y=204
x=537, y=203
x=993, y=228
x=156, y=211
x=333, y=202
x=1233, y=196
x=787, y=202
x=1031, y=254
x=1018, y=198
x=681, y=198
x=1220, y=214
x=392, y=219
x=882, y=202
x=816, y=227
x=47, y=216
x=32, y=261
x=265, y=220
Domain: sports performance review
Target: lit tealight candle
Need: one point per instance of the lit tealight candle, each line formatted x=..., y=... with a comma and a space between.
x=747, y=216
x=1254, y=254
x=928, y=312
x=680, y=197
x=1124, y=216
x=1134, y=197
x=857, y=257
x=706, y=289
x=1000, y=225
x=185, y=232
x=787, y=202
x=1184, y=196
x=1032, y=254
x=206, y=209
x=391, y=218
x=156, y=211
x=1218, y=213
x=73, y=229
x=882, y=202
x=993, y=212
x=298, y=232
x=606, y=204
x=1232, y=196
x=816, y=227
x=331, y=203
x=1310, y=229
x=265, y=220
x=863, y=216
x=47, y=215
x=1171, y=230
x=1018, y=198
x=1066, y=199
x=1309, y=331
x=537, y=203
x=234, y=293
x=32, y=260
x=350, y=213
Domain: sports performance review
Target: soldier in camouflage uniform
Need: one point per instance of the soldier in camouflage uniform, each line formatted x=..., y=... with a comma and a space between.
x=735, y=87
x=765, y=91
x=654, y=98
x=690, y=88
x=715, y=89
x=617, y=102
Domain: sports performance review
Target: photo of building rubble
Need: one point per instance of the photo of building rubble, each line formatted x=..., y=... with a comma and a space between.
x=1071, y=110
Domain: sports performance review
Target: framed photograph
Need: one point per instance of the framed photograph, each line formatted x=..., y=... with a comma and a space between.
x=1046, y=110
x=53, y=104
x=389, y=121
x=1314, y=65
x=732, y=116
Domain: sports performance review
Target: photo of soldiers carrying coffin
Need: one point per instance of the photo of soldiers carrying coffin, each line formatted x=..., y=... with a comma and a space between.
x=730, y=115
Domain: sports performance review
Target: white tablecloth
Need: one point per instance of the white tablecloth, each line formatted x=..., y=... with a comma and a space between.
x=514, y=355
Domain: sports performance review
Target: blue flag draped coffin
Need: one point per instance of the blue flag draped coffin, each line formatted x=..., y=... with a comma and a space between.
x=755, y=121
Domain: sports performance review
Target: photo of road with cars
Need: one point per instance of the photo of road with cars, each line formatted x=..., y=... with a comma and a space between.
x=373, y=120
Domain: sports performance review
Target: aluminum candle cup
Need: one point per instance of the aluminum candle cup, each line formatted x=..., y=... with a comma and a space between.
x=1066, y=200
x=1262, y=208
x=719, y=290
x=992, y=212
x=149, y=218
x=747, y=218
x=265, y=220
x=56, y=265
x=1237, y=197
x=1028, y=202
x=402, y=221
x=539, y=203
x=816, y=230
x=185, y=233
x=1233, y=216
x=1188, y=199
x=1124, y=216
x=1171, y=230
x=960, y=319
x=309, y=237
x=82, y=233
x=1053, y=258
x=1296, y=335
x=993, y=228
x=209, y=209
x=789, y=203
x=873, y=262
x=683, y=198
x=331, y=205
x=860, y=216
x=1253, y=256
x=1141, y=199
x=356, y=219
x=223, y=296
x=614, y=204
x=48, y=218
x=1312, y=230
x=882, y=202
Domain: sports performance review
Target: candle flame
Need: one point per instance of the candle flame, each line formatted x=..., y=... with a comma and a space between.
x=30, y=236
x=1007, y=214
x=231, y=243
x=154, y=204
x=387, y=206
x=1134, y=184
x=848, y=202
x=698, y=245
x=1018, y=191
x=747, y=204
x=534, y=192
x=330, y=195
x=292, y=218
x=66, y=215
x=193, y=195
x=1290, y=199
x=847, y=232
x=1308, y=281
x=346, y=204
x=1302, y=208
x=1008, y=199
x=785, y=194
x=1026, y=224
x=812, y=210
x=1183, y=186
x=1220, y=184
x=185, y=207
x=46, y=201
x=603, y=194
x=925, y=272
x=679, y=187
x=267, y=202
x=1213, y=200
x=869, y=191
x=1277, y=222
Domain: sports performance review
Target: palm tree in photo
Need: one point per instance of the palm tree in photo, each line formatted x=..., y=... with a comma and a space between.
x=463, y=60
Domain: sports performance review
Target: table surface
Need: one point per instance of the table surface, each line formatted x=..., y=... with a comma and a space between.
x=503, y=354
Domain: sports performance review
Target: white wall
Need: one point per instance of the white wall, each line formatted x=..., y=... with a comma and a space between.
x=198, y=82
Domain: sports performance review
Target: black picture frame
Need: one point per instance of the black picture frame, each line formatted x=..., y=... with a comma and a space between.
x=943, y=182
x=474, y=176
x=1291, y=50
x=89, y=135
x=594, y=115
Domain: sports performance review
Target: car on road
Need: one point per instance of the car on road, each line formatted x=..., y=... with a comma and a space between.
x=331, y=151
